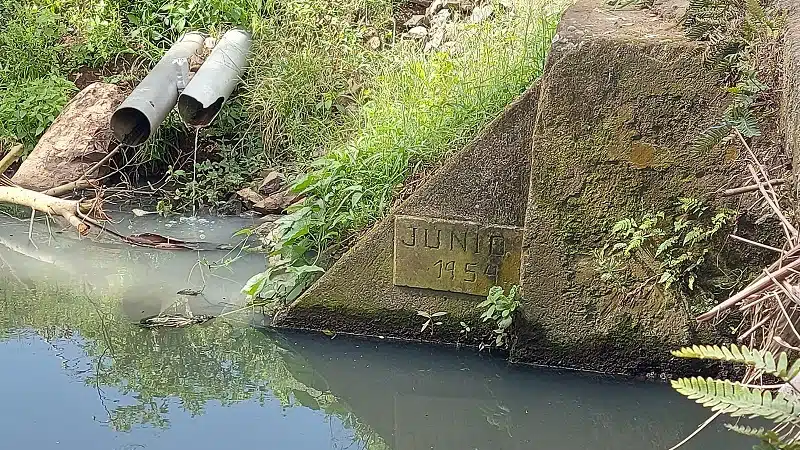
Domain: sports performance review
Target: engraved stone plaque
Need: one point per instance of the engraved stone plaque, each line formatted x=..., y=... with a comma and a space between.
x=455, y=256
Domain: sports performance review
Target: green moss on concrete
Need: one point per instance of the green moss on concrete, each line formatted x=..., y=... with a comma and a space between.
x=618, y=110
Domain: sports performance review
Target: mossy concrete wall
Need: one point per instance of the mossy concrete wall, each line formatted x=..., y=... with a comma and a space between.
x=623, y=97
x=484, y=183
x=790, y=105
x=605, y=135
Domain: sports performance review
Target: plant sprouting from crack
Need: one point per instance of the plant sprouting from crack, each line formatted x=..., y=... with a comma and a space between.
x=673, y=247
x=431, y=321
x=500, y=308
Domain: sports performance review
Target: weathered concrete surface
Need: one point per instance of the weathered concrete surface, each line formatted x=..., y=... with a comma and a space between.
x=790, y=105
x=76, y=140
x=486, y=183
x=622, y=98
x=605, y=135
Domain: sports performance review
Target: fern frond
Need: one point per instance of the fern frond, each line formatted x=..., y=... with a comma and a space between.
x=699, y=31
x=737, y=400
x=711, y=137
x=746, y=124
x=769, y=438
x=761, y=433
x=721, y=57
x=667, y=244
x=759, y=359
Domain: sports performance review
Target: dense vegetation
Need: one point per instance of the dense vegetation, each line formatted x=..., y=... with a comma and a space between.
x=335, y=96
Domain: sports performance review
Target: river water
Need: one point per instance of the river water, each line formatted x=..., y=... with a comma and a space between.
x=76, y=373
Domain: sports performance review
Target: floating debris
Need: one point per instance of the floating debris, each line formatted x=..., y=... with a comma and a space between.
x=189, y=292
x=173, y=321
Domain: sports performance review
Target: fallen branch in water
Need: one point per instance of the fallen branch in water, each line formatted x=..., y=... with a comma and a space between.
x=173, y=321
x=67, y=209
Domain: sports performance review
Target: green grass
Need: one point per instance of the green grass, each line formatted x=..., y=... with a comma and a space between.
x=32, y=91
x=308, y=64
x=419, y=107
x=352, y=123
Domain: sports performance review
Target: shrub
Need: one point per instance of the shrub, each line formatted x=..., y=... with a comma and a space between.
x=27, y=109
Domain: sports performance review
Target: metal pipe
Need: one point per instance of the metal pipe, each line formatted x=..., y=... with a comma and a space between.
x=137, y=118
x=214, y=82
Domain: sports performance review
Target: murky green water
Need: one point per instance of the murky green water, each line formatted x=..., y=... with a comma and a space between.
x=75, y=373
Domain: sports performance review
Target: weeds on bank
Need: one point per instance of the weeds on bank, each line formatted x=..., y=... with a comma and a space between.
x=308, y=69
x=418, y=108
x=28, y=109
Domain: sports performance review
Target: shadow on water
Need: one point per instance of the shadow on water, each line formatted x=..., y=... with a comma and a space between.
x=77, y=373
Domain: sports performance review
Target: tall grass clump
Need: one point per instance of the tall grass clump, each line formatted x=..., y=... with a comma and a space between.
x=307, y=69
x=419, y=107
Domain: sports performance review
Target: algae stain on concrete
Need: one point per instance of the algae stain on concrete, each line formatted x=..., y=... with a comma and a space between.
x=641, y=155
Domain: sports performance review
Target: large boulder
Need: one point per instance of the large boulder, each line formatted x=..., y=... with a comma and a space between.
x=77, y=139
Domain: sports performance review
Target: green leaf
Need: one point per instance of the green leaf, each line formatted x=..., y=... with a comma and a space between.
x=484, y=303
x=759, y=359
x=666, y=245
x=244, y=232
x=769, y=438
x=254, y=284
x=746, y=124
x=490, y=312
x=300, y=270
x=623, y=225
x=737, y=400
x=711, y=137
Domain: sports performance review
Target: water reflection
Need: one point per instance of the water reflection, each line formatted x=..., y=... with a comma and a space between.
x=75, y=365
x=148, y=378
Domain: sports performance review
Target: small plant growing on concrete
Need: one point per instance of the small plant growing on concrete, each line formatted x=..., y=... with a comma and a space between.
x=674, y=247
x=431, y=322
x=734, y=34
x=465, y=329
x=500, y=308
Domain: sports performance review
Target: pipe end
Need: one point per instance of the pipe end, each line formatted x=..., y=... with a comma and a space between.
x=193, y=113
x=130, y=126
